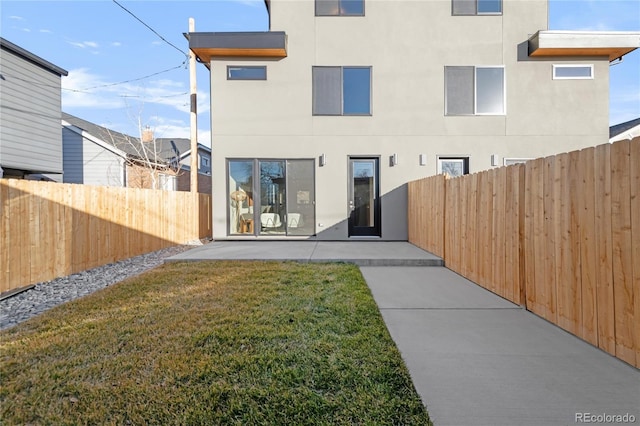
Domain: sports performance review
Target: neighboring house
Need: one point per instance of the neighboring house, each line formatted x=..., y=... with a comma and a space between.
x=169, y=147
x=96, y=155
x=319, y=123
x=30, y=103
x=628, y=130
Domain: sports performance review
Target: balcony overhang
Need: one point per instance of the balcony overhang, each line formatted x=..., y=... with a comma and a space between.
x=264, y=44
x=613, y=44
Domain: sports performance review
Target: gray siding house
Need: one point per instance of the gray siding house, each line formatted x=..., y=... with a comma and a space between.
x=30, y=103
x=96, y=155
x=89, y=159
x=319, y=123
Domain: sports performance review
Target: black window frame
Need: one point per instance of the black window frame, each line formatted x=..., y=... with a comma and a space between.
x=251, y=67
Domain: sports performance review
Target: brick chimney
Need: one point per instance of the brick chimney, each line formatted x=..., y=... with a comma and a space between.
x=147, y=135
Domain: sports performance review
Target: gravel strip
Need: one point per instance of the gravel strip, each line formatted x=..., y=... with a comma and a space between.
x=49, y=294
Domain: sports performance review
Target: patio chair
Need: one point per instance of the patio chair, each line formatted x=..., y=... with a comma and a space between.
x=270, y=220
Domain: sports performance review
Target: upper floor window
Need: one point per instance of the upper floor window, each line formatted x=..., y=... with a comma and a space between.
x=476, y=7
x=474, y=90
x=572, y=72
x=246, y=72
x=341, y=90
x=339, y=7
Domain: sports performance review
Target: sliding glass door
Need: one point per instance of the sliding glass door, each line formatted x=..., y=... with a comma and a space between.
x=284, y=201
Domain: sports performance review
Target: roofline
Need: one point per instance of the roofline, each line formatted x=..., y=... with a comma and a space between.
x=94, y=139
x=25, y=54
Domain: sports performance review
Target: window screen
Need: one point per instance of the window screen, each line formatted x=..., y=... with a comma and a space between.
x=327, y=91
x=459, y=83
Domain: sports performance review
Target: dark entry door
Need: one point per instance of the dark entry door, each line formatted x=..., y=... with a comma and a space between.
x=364, y=196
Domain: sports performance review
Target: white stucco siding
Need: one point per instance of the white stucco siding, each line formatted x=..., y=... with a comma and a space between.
x=407, y=44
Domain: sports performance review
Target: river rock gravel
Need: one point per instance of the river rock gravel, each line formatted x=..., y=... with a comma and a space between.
x=46, y=295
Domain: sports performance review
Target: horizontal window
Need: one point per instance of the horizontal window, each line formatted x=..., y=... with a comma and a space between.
x=572, y=71
x=512, y=161
x=453, y=166
x=476, y=7
x=246, y=73
x=341, y=90
x=339, y=7
x=474, y=90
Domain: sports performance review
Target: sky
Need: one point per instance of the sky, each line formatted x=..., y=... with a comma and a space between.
x=128, y=69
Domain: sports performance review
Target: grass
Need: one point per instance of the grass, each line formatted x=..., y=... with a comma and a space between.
x=211, y=343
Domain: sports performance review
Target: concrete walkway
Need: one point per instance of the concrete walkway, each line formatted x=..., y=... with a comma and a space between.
x=475, y=358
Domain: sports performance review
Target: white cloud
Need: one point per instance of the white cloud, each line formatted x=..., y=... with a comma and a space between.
x=84, y=44
x=46, y=31
x=85, y=92
x=26, y=30
x=116, y=44
x=16, y=18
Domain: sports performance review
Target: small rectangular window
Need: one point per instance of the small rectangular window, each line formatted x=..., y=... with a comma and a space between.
x=339, y=7
x=476, y=7
x=246, y=72
x=512, y=161
x=573, y=72
x=453, y=166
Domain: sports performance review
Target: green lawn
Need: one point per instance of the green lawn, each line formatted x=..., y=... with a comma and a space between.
x=211, y=343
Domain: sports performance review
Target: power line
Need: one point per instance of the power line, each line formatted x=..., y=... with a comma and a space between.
x=135, y=79
x=154, y=31
x=85, y=90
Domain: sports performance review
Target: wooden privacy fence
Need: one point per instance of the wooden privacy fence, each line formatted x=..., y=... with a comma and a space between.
x=559, y=235
x=50, y=230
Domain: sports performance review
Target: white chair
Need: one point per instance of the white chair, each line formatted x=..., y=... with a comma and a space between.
x=270, y=220
x=294, y=220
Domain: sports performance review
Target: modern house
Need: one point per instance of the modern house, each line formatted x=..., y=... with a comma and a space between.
x=96, y=155
x=30, y=107
x=319, y=123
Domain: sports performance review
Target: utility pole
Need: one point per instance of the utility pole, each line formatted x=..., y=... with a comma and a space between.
x=194, y=113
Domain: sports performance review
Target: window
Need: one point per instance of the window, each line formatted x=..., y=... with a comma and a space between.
x=453, y=166
x=476, y=7
x=280, y=201
x=246, y=72
x=341, y=90
x=474, y=90
x=339, y=7
x=512, y=161
x=572, y=72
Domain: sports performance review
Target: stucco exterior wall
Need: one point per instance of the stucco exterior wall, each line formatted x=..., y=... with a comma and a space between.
x=407, y=44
